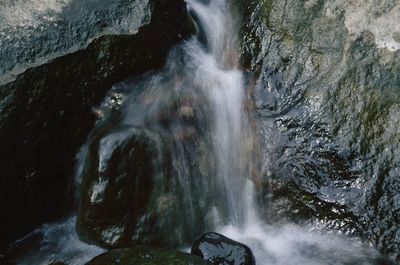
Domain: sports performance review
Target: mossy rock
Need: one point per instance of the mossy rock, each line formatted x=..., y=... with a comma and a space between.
x=141, y=255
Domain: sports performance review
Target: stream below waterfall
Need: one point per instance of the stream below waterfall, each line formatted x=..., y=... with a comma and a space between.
x=197, y=116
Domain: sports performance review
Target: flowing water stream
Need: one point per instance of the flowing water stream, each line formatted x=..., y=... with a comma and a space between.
x=197, y=110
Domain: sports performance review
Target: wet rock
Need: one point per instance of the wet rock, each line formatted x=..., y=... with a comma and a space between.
x=118, y=183
x=156, y=104
x=141, y=255
x=218, y=249
x=46, y=114
x=327, y=97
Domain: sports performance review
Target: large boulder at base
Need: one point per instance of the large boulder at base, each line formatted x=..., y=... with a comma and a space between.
x=46, y=111
x=220, y=250
x=146, y=256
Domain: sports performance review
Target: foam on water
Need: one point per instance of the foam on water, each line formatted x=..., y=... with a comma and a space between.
x=292, y=244
x=61, y=243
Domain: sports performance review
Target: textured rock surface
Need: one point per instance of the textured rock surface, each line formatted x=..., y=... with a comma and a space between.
x=46, y=113
x=328, y=101
x=146, y=256
x=32, y=32
x=218, y=249
x=123, y=169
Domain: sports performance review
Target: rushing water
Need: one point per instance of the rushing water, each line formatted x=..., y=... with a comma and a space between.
x=198, y=111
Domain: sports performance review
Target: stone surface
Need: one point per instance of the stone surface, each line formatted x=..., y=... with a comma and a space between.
x=218, y=249
x=327, y=97
x=34, y=32
x=146, y=256
x=124, y=166
x=46, y=114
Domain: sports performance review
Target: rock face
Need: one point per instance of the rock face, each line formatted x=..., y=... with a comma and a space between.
x=118, y=183
x=146, y=256
x=220, y=250
x=34, y=32
x=46, y=112
x=327, y=97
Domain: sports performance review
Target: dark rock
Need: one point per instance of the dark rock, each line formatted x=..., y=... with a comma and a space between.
x=46, y=114
x=26, y=246
x=218, y=249
x=117, y=184
x=57, y=263
x=146, y=256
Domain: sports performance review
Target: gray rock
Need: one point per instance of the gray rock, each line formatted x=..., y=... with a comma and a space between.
x=328, y=97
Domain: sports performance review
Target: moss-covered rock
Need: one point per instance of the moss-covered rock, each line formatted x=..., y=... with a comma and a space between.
x=146, y=256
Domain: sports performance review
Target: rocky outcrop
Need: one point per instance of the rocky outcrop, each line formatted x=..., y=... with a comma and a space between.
x=141, y=255
x=46, y=113
x=328, y=97
x=218, y=249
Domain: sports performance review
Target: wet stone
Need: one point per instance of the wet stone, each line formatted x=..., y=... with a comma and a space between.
x=111, y=206
x=220, y=250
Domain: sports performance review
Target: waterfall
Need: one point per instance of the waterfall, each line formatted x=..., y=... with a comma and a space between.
x=203, y=146
x=195, y=111
x=223, y=84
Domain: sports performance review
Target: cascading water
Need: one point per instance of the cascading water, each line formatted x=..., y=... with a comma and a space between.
x=191, y=122
x=193, y=111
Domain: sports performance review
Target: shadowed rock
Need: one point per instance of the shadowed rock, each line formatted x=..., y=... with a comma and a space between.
x=220, y=250
x=46, y=114
x=119, y=179
x=146, y=256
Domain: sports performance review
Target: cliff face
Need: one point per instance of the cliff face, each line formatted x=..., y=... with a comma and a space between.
x=327, y=96
x=46, y=110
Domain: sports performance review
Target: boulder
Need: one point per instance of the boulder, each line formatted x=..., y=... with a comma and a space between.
x=118, y=180
x=218, y=249
x=141, y=255
x=46, y=113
